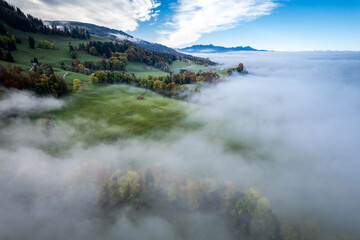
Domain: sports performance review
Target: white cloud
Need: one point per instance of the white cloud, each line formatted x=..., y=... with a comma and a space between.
x=196, y=17
x=119, y=14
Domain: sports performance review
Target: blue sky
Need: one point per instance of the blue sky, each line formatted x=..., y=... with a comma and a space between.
x=294, y=25
x=284, y=25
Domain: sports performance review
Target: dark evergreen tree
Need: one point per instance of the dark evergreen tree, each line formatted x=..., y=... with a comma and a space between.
x=11, y=46
x=31, y=42
x=2, y=29
x=8, y=57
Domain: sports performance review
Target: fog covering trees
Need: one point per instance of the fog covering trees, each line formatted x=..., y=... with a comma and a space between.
x=275, y=157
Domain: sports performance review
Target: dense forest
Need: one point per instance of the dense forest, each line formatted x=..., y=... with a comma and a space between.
x=136, y=54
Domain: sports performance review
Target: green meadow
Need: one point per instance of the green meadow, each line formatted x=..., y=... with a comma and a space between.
x=109, y=113
x=139, y=70
x=24, y=54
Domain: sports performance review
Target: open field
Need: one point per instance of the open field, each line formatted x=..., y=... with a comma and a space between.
x=176, y=66
x=24, y=54
x=113, y=112
x=139, y=70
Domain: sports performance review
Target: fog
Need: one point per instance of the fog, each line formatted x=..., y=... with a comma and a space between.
x=21, y=102
x=302, y=110
x=289, y=129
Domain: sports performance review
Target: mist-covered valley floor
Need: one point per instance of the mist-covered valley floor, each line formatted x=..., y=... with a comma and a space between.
x=290, y=130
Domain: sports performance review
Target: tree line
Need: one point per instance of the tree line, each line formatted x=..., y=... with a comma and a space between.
x=7, y=44
x=42, y=80
x=247, y=214
x=137, y=54
x=134, y=53
x=238, y=69
x=170, y=86
x=116, y=63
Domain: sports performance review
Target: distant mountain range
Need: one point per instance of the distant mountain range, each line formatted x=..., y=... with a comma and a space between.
x=215, y=49
x=113, y=34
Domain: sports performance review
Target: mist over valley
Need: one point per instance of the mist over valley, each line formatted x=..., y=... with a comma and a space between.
x=288, y=130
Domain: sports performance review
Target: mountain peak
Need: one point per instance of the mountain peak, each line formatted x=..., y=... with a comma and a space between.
x=216, y=49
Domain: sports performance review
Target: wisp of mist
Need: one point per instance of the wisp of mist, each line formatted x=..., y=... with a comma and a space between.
x=289, y=129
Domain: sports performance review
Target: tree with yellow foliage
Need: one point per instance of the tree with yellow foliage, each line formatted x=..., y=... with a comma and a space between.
x=123, y=187
x=76, y=85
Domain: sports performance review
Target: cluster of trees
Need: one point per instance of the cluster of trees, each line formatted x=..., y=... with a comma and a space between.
x=6, y=55
x=105, y=49
x=116, y=63
x=157, y=59
x=247, y=213
x=238, y=69
x=250, y=213
x=15, y=18
x=137, y=54
x=7, y=44
x=170, y=86
x=168, y=89
x=72, y=51
x=77, y=33
x=112, y=77
x=37, y=81
x=196, y=60
x=134, y=53
x=45, y=45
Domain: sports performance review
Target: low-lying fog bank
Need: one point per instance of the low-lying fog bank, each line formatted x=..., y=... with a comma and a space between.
x=290, y=130
x=302, y=113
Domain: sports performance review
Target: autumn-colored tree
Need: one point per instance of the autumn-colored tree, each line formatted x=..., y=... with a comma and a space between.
x=124, y=187
x=240, y=67
x=193, y=194
x=76, y=85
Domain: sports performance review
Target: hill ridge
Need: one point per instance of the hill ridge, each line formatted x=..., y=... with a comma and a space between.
x=216, y=49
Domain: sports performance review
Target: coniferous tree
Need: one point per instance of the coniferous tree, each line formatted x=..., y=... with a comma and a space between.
x=8, y=57
x=31, y=42
x=2, y=29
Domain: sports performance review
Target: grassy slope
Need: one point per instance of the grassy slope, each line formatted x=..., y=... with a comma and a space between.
x=113, y=112
x=139, y=70
x=24, y=54
x=178, y=65
x=104, y=113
